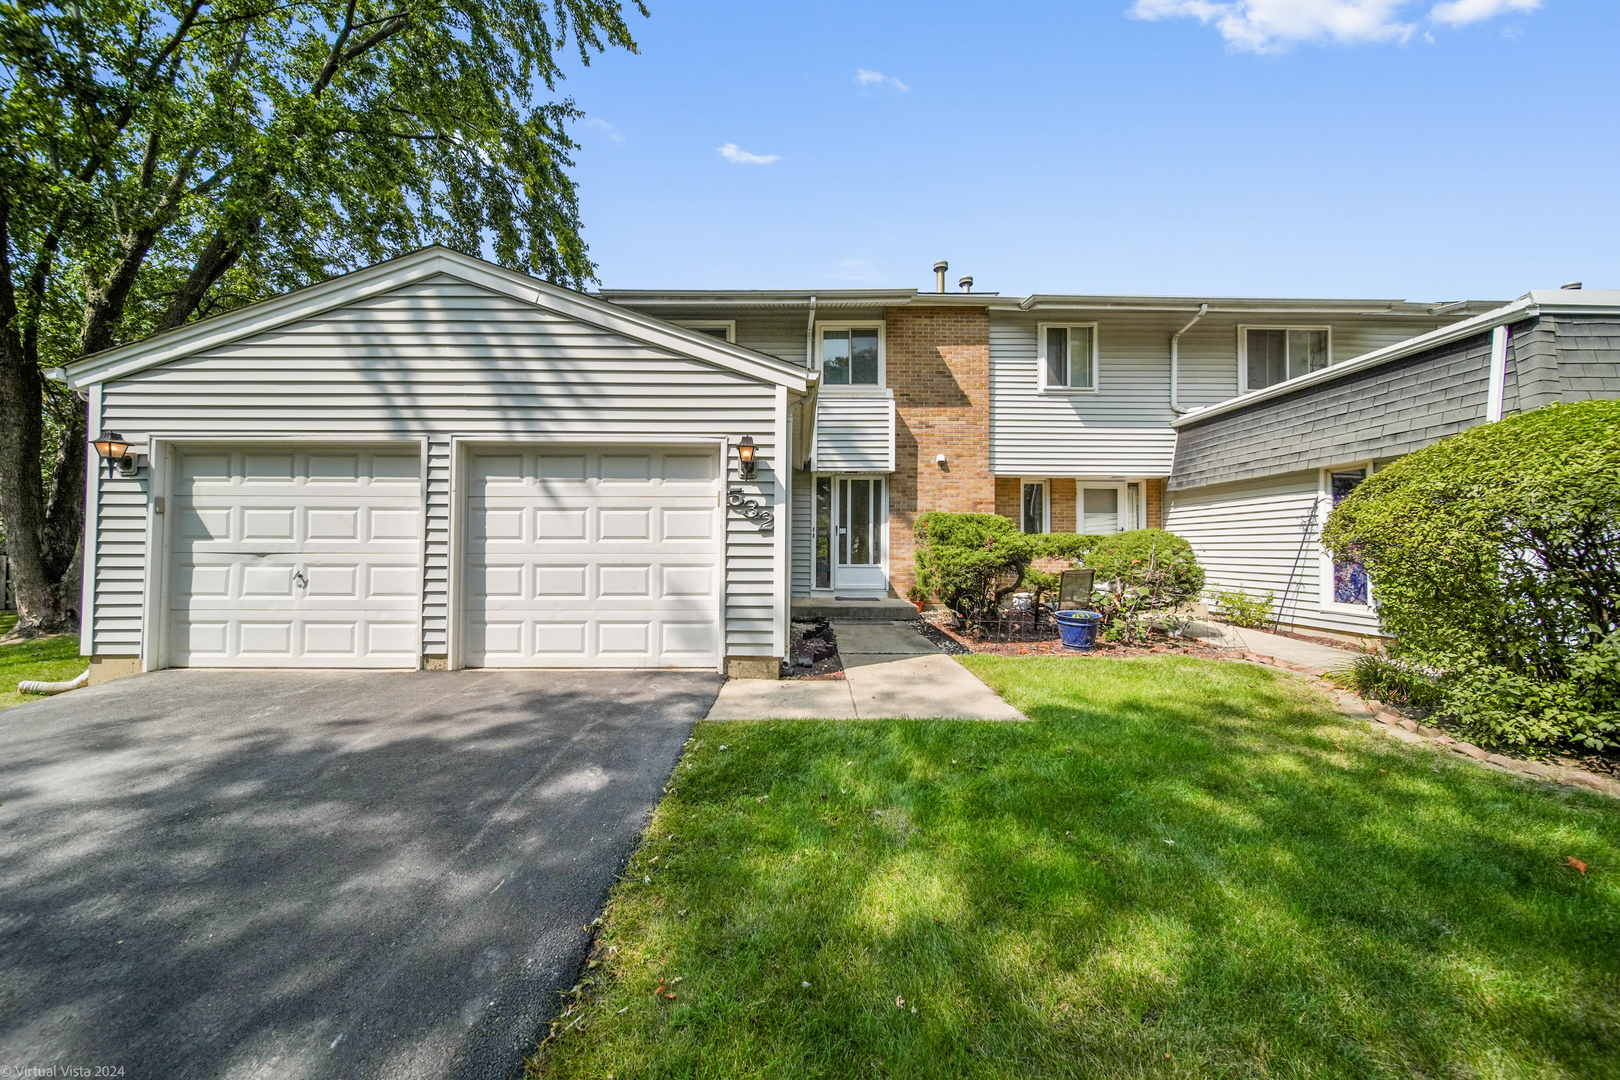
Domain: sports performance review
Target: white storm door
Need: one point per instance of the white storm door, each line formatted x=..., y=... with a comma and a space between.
x=296, y=557
x=859, y=535
x=588, y=557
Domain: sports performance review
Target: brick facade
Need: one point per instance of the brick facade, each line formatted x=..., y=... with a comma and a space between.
x=938, y=361
x=1153, y=497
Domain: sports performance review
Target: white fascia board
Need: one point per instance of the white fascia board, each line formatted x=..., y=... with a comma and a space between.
x=1520, y=309
x=1240, y=305
x=396, y=273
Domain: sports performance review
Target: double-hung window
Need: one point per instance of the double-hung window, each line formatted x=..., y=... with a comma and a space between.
x=851, y=356
x=1067, y=357
x=1274, y=354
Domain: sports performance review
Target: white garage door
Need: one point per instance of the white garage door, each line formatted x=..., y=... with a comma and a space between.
x=591, y=558
x=307, y=557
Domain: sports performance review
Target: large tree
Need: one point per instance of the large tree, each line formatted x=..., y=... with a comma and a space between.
x=163, y=160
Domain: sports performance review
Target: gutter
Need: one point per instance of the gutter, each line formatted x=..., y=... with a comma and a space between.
x=1175, y=359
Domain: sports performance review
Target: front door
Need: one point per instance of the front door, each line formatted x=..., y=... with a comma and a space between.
x=860, y=519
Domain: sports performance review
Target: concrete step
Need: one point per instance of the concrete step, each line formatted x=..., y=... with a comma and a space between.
x=888, y=609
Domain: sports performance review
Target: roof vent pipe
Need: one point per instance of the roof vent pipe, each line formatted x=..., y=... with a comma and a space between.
x=966, y=283
x=939, y=275
x=1566, y=285
x=1175, y=360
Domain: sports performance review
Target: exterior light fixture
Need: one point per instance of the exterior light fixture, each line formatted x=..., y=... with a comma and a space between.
x=114, y=449
x=746, y=460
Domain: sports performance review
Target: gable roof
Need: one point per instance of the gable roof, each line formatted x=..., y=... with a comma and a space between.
x=406, y=270
x=1530, y=305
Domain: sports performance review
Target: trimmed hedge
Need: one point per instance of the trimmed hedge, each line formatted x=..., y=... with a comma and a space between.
x=972, y=561
x=1494, y=557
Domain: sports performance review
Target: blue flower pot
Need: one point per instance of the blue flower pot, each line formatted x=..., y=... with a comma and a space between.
x=1078, y=628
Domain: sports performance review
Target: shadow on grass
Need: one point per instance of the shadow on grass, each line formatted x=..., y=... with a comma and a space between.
x=1182, y=868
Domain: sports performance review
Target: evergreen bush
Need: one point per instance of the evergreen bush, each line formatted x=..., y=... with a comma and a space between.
x=1494, y=557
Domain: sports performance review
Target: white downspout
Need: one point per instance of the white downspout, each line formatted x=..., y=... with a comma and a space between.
x=1497, y=390
x=1175, y=359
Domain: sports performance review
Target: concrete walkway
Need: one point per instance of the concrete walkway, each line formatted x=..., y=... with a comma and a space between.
x=890, y=672
x=1288, y=650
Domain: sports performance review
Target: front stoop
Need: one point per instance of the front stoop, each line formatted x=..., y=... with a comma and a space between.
x=886, y=609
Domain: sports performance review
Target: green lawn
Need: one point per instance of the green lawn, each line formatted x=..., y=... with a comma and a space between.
x=50, y=658
x=1181, y=868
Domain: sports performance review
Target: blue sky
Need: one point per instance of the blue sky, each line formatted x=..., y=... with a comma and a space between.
x=1378, y=148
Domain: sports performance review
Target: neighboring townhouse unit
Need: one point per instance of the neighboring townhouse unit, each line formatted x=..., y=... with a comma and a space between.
x=1256, y=476
x=1054, y=410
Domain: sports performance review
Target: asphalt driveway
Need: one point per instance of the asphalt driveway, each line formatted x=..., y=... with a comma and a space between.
x=295, y=874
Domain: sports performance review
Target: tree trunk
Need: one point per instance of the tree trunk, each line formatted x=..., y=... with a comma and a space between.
x=43, y=541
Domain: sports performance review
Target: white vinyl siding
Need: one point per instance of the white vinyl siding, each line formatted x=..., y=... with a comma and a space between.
x=854, y=433
x=804, y=532
x=440, y=358
x=1123, y=429
x=1252, y=535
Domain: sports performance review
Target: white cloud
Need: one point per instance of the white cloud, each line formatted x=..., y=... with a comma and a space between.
x=870, y=78
x=604, y=127
x=738, y=156
x=1462, y=12
x=1274, y=25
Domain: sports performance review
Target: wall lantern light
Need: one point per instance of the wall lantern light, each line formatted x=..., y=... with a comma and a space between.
x=746, y=460
x=114, y=449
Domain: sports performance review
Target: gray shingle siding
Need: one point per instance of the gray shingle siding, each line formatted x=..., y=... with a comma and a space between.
x=1395, y=408
x=1381, y=412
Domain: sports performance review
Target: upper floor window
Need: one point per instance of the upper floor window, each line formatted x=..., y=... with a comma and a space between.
x=1274, y=354
x=852, y=356
x=1068, y=357
x=724, y=329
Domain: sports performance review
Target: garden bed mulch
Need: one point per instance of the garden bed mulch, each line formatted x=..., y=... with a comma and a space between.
x=936, y=628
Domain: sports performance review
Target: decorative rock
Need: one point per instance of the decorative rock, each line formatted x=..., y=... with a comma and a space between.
x=1429, y=732
x=1502, y=760
x=1408, y=723
x=1470, y=749
x=1388, y=718
x=1442, y=740
x=1540, y=769
x=1586, y=780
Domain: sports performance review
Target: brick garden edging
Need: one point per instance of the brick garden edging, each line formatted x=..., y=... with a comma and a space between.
x=1390, y=721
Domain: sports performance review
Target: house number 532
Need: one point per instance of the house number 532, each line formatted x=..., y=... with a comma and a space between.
x=751, y=510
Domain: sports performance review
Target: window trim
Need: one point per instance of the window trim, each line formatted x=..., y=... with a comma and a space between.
x=883, y=357
x=1046, y=502
x=1324, y=558
x=728, y=325
x=1243, y=352
x=1040, y=358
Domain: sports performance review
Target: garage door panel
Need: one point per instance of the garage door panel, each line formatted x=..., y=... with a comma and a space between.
x=308, y=557
x=594, y=559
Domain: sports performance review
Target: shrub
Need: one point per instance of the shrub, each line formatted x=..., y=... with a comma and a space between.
x=1072, y=546
x=1495, y=558
x=1241, y=609
x=1142, y=575
x=1388, y=680
x=970, y=561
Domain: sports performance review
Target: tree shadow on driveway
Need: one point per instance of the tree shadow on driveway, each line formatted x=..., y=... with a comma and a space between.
x=214, y=874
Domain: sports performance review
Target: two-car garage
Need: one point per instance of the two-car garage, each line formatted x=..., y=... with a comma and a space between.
x=438, y=463
x=287, y=555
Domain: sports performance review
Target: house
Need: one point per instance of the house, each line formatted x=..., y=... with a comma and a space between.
x=1053, y=410
x=1256, y=475
x=436, y=462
